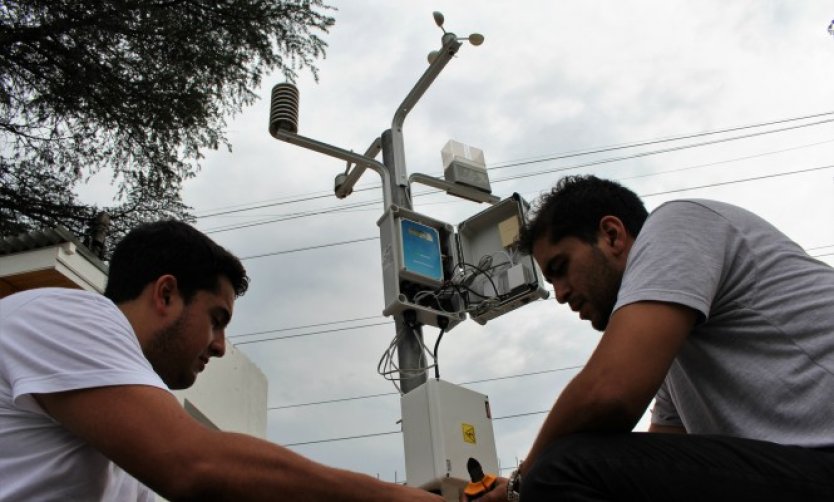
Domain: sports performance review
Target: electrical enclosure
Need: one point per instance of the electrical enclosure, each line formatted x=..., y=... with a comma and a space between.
x=443, y=426
x=437, y=273
x=513, y=279
x=413, y=266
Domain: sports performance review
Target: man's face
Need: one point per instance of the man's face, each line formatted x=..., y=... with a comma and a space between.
x=181, y=350
x=583, y=276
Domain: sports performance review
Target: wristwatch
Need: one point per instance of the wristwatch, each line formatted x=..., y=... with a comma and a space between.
x=514, y=486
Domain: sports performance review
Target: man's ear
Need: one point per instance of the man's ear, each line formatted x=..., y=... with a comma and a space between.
x=614, y=235
x=165, y=293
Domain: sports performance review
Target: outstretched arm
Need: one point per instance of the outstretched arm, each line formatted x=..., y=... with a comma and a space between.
x=146, y=432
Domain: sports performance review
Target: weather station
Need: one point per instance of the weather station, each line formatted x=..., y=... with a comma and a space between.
x=434, y=274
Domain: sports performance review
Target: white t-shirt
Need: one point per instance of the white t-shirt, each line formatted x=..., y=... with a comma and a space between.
x=54, y=340
x=760, y=362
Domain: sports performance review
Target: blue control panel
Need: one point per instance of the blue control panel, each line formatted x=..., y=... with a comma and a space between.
x=421, y=250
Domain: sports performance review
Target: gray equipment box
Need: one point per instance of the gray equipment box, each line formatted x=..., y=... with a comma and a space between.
x=514, y=279
x=437, y=273
x=444, y=425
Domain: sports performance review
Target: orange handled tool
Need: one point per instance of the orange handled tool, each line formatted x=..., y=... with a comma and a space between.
x=481, y=483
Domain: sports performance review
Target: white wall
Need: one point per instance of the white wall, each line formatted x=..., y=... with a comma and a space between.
x=231, y=394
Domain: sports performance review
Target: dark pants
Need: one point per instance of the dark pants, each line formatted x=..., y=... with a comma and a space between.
x=677, y=467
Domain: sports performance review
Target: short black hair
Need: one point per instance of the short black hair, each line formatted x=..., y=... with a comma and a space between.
x=152, y=250
x=575, y=206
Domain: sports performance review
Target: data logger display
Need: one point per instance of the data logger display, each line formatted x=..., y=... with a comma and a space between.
x=421, y=250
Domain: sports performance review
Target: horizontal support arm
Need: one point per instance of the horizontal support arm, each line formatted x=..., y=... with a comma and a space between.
x=340, y=153
x=456, y=189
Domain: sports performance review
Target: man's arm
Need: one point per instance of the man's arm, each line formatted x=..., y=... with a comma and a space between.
x=623, y=374
x=146, y=432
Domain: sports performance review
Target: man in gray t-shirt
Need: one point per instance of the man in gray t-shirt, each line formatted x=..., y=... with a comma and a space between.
x=712, y=311
x=759, y=362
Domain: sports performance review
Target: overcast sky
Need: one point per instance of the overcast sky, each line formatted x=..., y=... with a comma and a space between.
x=551, y=78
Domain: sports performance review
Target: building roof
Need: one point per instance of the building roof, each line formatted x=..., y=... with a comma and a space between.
x=39, y=239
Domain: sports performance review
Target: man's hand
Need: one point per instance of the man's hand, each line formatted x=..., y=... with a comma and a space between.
x=497, y=494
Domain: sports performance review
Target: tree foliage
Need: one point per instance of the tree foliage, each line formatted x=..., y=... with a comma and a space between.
x=141, y=87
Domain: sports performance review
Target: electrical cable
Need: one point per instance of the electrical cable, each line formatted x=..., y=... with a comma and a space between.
x=442, y=323
x=470, y=382
x=744, y=180
x=546, y=158
x=388, y=433
x=346, y=438
x=387, y=368
x=436, y=347
x=276, y=330
x=652, y=152
x=310, y=248
x=300, y=335
x=391, y=322
x=642, y=195
x=292, y=216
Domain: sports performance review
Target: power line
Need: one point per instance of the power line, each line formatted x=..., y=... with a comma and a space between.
x=665, y=140
x=276, y=330
x=287, y=337
x=388, y=433
x=716, y=163
x=332, y=209
x=744, y=180
x=368, y=396
x=310, y=248
x=293, y=216
x=655, y=152
x=506, y=164
x=389, y=322
x=345, y=438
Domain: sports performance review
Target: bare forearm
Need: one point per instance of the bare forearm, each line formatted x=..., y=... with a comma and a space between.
x=623, y=374
x=237, y=466
x=578, y=409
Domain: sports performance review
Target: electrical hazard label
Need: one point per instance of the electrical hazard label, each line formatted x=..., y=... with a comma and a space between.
x=468, y=433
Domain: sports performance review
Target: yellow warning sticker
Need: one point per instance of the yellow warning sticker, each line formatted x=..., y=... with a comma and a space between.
x=468, y=433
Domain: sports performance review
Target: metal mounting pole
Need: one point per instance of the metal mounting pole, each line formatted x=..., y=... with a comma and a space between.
x=410, y=347
x=283, y=125
x=410, y=353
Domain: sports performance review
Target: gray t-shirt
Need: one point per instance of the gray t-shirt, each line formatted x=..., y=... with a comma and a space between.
x=760, y=361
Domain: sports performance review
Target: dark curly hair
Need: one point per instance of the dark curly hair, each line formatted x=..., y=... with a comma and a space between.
x=152, y=250
x=575, y=206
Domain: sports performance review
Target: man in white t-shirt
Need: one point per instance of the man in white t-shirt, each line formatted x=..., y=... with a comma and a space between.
x=710, y=310
x=85, y=410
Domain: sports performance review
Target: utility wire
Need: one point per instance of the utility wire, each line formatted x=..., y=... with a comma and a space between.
x=655, y=152
x=310, y=248
x=368, y=396
x=346, y=438
x=388, y=433
x=389, y=322
x=512, y=163
x=332, y=209
x=743, y=180
x=662, y=140
x=276, y=330
x=287, y=337
x=628, y=177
